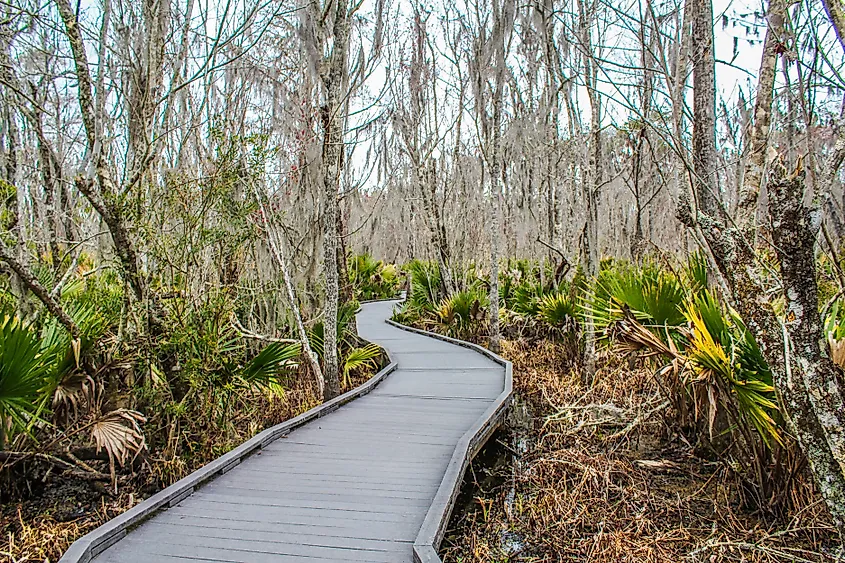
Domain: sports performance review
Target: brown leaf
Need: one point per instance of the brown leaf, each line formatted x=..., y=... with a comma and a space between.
x=118, y=432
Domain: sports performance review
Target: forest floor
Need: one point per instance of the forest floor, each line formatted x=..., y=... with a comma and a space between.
x=592, y=473
x=45, y=509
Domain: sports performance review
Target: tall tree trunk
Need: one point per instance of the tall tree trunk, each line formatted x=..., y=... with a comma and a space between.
x=704, y=107
x=104, y=200
x=808, y=383
x=428, y=187
x=495, y=333
x=759, y=138
x=51, y=176
x=334, y=78
x=592, y=182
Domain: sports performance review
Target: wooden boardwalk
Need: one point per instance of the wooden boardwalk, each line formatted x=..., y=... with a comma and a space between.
x=354, y=485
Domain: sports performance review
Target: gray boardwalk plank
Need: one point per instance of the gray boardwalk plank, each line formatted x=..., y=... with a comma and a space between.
x=354, y=485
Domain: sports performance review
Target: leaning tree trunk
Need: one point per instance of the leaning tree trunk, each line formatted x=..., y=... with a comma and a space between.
x=277, y=249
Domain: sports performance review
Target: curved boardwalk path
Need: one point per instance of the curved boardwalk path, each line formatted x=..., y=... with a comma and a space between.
x=353, y=485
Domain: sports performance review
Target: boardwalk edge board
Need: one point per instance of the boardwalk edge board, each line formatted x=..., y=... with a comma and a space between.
x=101, y=538
x=437, y=518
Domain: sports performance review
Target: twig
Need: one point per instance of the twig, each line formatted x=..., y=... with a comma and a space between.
x=255, y=336
x=40, y=291
x=87, y=471
x=638, y=420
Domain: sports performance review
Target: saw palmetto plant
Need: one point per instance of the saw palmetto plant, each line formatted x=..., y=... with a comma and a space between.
x=271, y=365
x=462, y=313
x=425, y=284
x=358, y=358
x=371, y=278
x=724, y=355
x=24, y=374
x=559, y=311
x=650, y=294
x=710, y=366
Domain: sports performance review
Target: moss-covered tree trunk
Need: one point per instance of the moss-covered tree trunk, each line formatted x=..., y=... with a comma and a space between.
x=808, y=383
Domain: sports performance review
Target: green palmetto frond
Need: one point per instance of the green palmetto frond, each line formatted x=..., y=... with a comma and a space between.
x=371, y=278
x=463, y=310
x=64, y=354
x=654, y=297
x=363, y=357
x=24, y=372
x=723, y=348
x=695, y=272
x=558, y=310
x=425, y=284
x=276, y=360
x=525, y=299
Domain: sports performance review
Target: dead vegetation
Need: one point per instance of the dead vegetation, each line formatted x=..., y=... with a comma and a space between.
x=604, y=478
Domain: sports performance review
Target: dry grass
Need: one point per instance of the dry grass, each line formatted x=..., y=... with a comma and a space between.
x=44, y=539
x=604, y=479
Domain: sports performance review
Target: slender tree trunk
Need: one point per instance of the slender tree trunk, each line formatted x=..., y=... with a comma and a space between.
x=495, y=213
x=51, y=176
x=277, y=248
x=427, y=182
x=590, y=186
x=331, y=161
x=759, y=138
x=105, y=201
x=32, y=283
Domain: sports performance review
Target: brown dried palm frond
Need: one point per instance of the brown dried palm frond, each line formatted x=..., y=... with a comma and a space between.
x=75, y=389
x=119, y=433
x=630, y=335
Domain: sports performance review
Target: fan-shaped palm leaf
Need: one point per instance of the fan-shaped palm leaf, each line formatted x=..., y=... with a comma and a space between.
x=119, y=434
x=557, y=310
x=24, y=373
x=463, y=311
x=274, y=361
x=654, y=297
x=425, y=284
x=733, y=357
x=359, y=358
